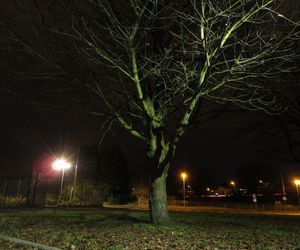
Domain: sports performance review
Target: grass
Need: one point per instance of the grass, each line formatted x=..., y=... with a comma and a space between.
x=121, y=229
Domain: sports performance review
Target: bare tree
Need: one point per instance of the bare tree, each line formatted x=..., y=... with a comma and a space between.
x=283, y=131
x=152, y=63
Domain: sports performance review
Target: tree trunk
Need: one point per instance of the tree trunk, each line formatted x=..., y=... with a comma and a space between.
x=158, y=204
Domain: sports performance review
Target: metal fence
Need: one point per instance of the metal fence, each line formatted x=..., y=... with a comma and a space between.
x=33, y=192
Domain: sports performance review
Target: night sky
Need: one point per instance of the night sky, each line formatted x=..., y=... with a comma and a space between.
x=220, y=147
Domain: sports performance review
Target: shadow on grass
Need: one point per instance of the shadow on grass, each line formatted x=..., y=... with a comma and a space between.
x=130, y=218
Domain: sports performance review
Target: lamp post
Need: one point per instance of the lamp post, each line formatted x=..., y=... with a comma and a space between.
x=183, y=176
x=284, y=198
x=73, y=189
x=232, y=183
x=297, y=183
x=61, y=165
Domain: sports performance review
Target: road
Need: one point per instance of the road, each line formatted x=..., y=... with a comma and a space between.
x=173, y=208
x=208, y=209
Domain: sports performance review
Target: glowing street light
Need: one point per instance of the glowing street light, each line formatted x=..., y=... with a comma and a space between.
x=61, y=165
x=232, y=183
x=297, y=183
x=183, y=176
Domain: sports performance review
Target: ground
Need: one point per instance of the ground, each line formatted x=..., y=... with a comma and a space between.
x=126, y=229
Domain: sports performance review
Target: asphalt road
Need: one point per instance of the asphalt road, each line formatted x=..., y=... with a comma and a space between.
x=173, y=208
x=209, y=209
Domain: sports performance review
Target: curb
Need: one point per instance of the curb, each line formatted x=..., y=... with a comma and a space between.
x=27, y=243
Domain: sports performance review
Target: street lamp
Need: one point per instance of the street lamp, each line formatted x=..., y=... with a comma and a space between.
x=232, y=183
x=73, y=189
x=61, y=165
x=183, y=176
x=260, y=186
x=297, y=183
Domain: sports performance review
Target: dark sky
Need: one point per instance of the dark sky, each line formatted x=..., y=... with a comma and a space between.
x=27, y=132
x=219, y=147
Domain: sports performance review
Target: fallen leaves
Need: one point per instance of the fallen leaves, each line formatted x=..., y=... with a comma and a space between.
x=114, y=230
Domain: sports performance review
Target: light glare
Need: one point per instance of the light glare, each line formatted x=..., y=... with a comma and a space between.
x=60, y=164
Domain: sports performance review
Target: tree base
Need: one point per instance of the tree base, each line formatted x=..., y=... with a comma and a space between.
x=158, y=205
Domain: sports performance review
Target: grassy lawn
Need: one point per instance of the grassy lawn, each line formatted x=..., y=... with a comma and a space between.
x=122, y=229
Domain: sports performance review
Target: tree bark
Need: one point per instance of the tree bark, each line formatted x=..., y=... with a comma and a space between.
x=158, y=204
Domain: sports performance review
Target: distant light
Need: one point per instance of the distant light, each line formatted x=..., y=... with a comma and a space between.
x=207, y=189
x=297, y=182
x=183, y=176
x=260, y=181
x=61, y=164
x=232, y=183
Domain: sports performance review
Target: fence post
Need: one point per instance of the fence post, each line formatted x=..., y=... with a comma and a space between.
x=19, y=186
x=4, y=193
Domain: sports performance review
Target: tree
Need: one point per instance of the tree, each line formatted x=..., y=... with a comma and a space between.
x=112, y=170
x=282, y=132
x=152, y=64
x=279, y=136
x=251, y=175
